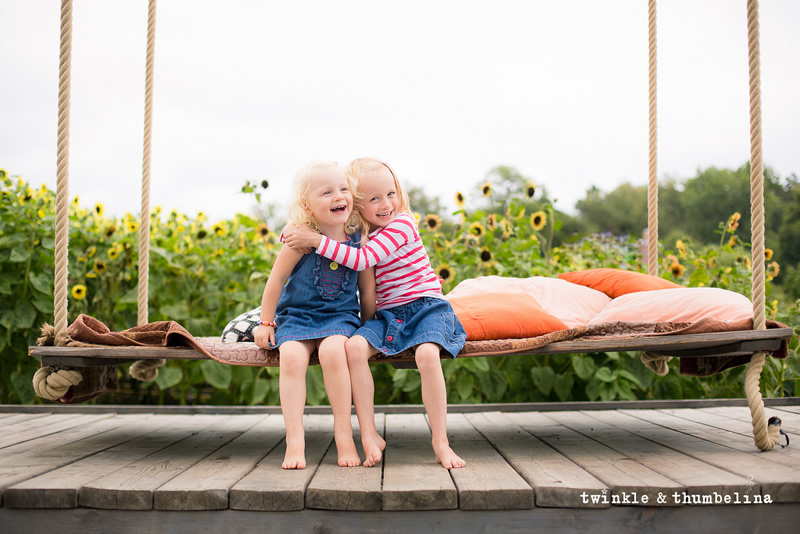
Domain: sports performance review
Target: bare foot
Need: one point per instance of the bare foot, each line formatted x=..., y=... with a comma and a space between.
x=447, y=457
x=373, y=449
x=295, y=457
x=346, y=447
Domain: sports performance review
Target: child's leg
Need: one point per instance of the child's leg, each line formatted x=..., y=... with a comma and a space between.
x=292, y=380
x=434, y=397
x=358, y=352
x=333, y=360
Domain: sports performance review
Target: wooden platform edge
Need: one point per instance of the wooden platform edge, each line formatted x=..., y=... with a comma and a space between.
x=396, y=408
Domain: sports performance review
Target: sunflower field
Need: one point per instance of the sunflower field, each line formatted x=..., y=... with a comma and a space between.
x=203, y=274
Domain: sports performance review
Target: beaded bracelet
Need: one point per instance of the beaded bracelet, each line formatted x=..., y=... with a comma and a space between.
x=267, y=323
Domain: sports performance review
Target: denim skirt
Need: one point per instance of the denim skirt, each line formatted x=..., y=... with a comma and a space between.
x=425, y=320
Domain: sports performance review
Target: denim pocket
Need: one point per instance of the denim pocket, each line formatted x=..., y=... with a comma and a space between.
x=330, y=278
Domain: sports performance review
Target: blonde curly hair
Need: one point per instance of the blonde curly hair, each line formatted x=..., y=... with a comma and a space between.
x=298, y=209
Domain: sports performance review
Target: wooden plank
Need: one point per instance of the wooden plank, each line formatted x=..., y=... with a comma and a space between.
x=13, y=418
x=790, y=422
x=205, y=485
x=487, y=482
x=698, y=477
x=790, y=409
x=346, y=488
x=409, y=482
x=556, y=480
x=270, y=488
x=712, y=446
x=118, y=353
x=720, y=425
x=132, y=487
x=41, y=426
x=625, y=477
x=59, y=488
x=29, y=459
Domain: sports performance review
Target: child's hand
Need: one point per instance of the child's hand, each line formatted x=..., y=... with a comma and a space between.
x=301, y=238
x=264, y=336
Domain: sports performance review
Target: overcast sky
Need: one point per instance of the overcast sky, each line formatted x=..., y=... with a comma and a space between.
x=442, y=90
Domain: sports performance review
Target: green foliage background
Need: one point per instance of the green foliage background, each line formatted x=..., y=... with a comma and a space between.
x=203, y=274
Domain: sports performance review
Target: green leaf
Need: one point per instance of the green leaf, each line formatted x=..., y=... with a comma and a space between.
x=43, y=303
x=624, y=373
x=543, y=378
x=584, y=366
x=19, y=254
x=562, y=385
x=168, y=377
x=260, y=390
x=42, y=282
x=604, y=374
x=217, y=374
x=464, y=386
x=25, y=314
x=593, y=390
x=23, y=387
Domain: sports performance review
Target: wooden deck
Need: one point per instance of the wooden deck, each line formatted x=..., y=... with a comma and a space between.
x=662, y=467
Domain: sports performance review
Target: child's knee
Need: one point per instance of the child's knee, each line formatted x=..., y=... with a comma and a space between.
x=331, y=352
x=427, y=356
x=357, y=348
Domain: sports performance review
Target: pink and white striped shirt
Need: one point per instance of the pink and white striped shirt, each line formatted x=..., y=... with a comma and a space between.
x=403, y=272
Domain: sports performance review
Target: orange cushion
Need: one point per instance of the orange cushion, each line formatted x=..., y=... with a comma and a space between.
x=616, y=282
x=503, y=316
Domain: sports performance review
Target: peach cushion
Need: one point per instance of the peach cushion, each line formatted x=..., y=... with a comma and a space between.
x=617, y=282
x=503, y=316
x=572, y=303
x=683, y=305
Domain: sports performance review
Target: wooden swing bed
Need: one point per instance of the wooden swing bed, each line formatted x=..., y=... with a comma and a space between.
x=61, y=361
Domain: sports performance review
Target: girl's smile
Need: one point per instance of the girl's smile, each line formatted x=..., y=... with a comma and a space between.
x=380, y=200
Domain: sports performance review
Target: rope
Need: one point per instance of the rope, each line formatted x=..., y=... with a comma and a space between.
x=62, y=171
x=652, y=185
x=765, y=436
x=656, y=363
x=51, y=383
x=146, y=370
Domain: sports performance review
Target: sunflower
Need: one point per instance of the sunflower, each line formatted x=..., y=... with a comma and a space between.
x=110, y=231
x=530, y=188
x=538, y=220
x=676, y=269
x=733, y=222
x=460, y=199
x=263, y=230
x=99, y=209
x=773, y=270
x=76, y=201
x=131, y=226
x=732, y=241
x=231, y=286
x=507, y=229
x=491, y=222
x=99, y=266
x=485, y=255
x=476, y=229
x=486, y=189
x=113, y=253
x=768, y=254
x=681, y=248
x=264, y=184
x=433, y=222
x=79, y=292
x=41, y=214
x=444, y=271
x=3, y=174
x=219, y=230
x=201, y=234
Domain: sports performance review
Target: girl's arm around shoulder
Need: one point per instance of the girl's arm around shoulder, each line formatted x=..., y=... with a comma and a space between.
x=366, y=294
x=281, y=269
x=383, y=244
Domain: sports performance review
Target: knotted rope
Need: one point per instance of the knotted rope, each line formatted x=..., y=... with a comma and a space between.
x=48, y=382
x=766, y=436
x=146, y=370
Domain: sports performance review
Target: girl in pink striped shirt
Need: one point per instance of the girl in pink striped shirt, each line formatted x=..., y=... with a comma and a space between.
x=411, y=310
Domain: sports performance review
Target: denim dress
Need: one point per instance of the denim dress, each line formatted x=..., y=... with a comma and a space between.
x=319, y=299
x=424, y=320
